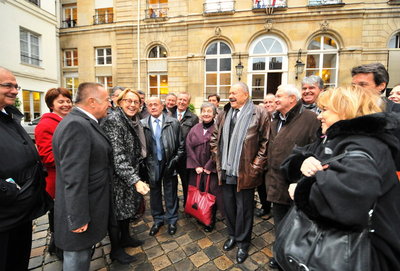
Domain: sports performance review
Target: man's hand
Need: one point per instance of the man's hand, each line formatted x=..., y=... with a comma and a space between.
x=142, y=187
x=81, y=229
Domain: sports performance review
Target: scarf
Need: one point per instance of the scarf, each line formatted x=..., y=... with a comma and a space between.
x=231, y=157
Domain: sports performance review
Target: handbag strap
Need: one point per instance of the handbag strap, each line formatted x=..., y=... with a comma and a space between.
x=198, y=178
x=207, y=183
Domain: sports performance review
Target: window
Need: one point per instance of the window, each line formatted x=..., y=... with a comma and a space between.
x=395, y=41
x=35, y=2
x=218, y=65
x=268, y=64
x=323, y=59
x=211, y=6
x=103, y=56
x=158, y=52
x=71, y=82
x=31, y=104
x=323, y=2
x=70, y=16
x=103, y=16
x=157, y=8
x=71, y=58
x=157, y=68
x=106, y=81
x=269, y=3
x=29, y=43
x=158, y=84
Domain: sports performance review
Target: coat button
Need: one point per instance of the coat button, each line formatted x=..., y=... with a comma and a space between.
x=25, y=143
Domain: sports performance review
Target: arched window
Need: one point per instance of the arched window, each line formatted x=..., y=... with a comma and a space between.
x=157, y=69
x=267, y=65
x=218, y=69
x=323, y=59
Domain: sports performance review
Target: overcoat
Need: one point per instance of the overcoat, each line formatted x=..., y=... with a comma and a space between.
x=342, y=195
x=82, y=153
x=126, y=145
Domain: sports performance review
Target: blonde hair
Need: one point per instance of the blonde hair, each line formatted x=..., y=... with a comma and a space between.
x=350, y=102
x=124, y=92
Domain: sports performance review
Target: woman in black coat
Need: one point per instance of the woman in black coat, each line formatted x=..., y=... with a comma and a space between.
x=125, y=132
x=342, y=193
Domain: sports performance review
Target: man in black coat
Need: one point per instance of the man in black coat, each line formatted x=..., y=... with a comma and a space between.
x=187, y=120
x=164, y=149
x=20, y=168
x=82, y=153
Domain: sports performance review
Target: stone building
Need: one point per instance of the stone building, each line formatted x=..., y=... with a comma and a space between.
x=162, y=46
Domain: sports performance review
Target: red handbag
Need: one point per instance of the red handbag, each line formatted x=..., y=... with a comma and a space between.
x=200, y=204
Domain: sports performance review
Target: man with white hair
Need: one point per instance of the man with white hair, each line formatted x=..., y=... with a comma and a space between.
x=292, y=125
x=311, y=87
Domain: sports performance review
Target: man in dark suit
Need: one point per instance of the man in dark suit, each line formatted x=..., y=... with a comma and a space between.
x=82, y=154
x=239, y=146
x=164, y=148
x=187, y=120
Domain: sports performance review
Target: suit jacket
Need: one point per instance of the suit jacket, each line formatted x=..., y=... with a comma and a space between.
x=82, y=154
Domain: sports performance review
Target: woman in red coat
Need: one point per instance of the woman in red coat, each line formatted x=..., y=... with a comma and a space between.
x=59, y=101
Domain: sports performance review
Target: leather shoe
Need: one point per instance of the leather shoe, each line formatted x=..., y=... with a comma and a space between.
x=263, y=213
x=172, y=229
x=208, y=228
x=241, y=255
x=154, y=229
x=229, y=244
x=121, y=256
x=273, y=263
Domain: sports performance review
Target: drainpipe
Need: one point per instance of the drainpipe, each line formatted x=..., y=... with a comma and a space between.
x=138, y=46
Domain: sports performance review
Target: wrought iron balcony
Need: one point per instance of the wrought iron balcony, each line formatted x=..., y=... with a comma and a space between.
x=218, y=6
x=324, y=2
x=154, y=13
x=106, y=18
x=68, y=23
x=260, y=4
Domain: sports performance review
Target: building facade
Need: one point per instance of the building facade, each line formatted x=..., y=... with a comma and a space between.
x=164, y=46
x=29, y=47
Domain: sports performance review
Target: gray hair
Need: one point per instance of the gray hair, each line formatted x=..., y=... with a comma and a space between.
x=171, y=94
x=85, y=90
x=313, y=80
x=290, y=90
x=208, y=105
x=243, y=86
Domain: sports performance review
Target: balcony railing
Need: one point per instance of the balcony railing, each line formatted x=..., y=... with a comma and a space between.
x=269, y=4
x=68, y=23
x=103, y=18
x=324, y=2
x=154, y=13
x=219, y=6
x=35, y=2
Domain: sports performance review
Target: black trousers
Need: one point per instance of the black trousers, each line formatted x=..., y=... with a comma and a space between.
x=279, y=211
x=262, y=194
x=184, y=176
x=239, y=211
x=170, y=186
x=15, y=248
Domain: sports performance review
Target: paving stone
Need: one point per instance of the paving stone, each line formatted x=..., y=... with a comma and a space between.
x=216, y=237
x=189, y=227
x=191, y=249
x=176, y=255
x=169, y=268
x=266, y=225
x=160, y=262
x=184, y=265
x=116, y=266
x=97, y=253
x=223, y=262
x=39, y=242
x=50, y=258
x=259, y=243
x=196, y=235
x=140, y=228
x=39, y=234
x=154, y=252
x=54, y=266
x=37, y=251
x=35, y=262
x=133, y=250
x=42, y=220
x=260, y=258
x=107, y=249
x=97, y=264
x=210, y=266
x=269, y=237
x=248, y=265
x=205, y=242
x=149, y=243
x=183, y=240
x=267, y=252
x=105, y=241
x=102, y=269
x=212, y=252
x=42, y=227
x=220, y=225
x=199, y=259
x=169, y=245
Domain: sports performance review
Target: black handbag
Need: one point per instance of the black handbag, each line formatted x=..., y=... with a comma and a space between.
x=302, y=244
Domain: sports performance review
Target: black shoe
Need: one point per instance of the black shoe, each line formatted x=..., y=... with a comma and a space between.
x=241, y=255
x=122, y=257
x=229, y=244
x=154, y=229
x=172, y=229
x=209, y=228
x=51, y=248
x=263, y=213
x=131, y=242
x=273, y=263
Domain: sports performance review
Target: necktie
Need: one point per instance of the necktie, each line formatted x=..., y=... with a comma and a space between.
x=157, y=135
x=179, y=116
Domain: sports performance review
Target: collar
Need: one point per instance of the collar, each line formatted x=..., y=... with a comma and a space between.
x=160, y=117
x=88, y=114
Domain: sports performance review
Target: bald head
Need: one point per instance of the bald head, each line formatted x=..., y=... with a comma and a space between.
x=154, y=106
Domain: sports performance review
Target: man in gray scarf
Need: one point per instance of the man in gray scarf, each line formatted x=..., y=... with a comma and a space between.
x=239, y=146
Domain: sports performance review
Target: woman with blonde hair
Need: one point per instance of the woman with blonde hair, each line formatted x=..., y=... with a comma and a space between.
x=341, y=193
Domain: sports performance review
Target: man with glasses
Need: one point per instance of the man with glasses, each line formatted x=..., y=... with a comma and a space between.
x=82, y=153
x=18, y=161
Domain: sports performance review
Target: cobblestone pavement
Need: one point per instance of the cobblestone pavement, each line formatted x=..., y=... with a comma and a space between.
x=190, y=248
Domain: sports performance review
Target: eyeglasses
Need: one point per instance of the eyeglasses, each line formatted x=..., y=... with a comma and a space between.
x=130, y=101
x=9, y=86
